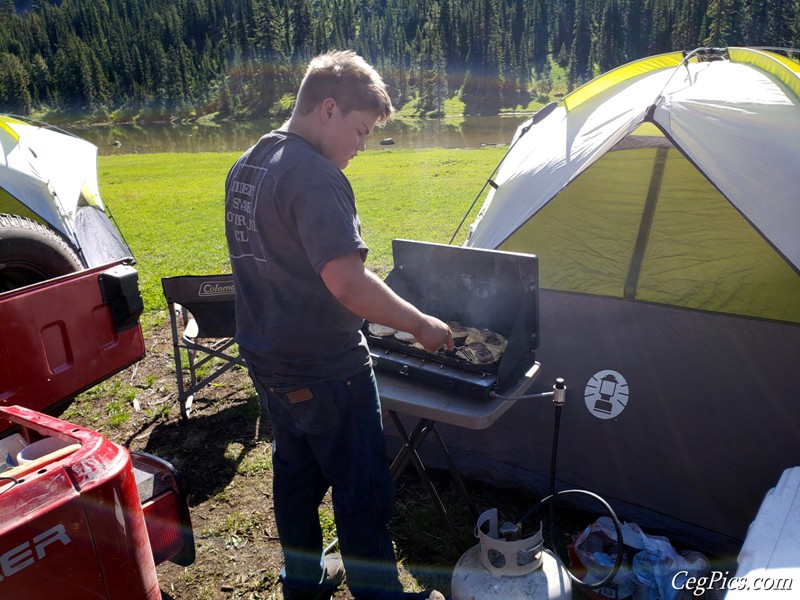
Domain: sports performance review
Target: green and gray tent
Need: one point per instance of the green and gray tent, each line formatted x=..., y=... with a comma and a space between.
x=663, y=202
x=52, y=218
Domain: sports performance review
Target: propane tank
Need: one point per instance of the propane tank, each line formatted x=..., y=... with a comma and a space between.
x=503, y=566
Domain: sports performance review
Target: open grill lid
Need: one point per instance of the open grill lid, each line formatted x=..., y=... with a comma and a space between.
x=485, y=289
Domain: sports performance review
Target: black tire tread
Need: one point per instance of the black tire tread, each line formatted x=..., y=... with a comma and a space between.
x=27, y=242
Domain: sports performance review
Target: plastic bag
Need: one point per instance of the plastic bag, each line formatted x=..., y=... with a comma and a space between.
x=649, y=562
x=656, y=573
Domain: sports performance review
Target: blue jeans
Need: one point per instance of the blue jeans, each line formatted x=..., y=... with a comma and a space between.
x=330, y=434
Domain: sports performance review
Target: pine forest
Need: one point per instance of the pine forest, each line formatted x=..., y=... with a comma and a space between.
x=166, y=59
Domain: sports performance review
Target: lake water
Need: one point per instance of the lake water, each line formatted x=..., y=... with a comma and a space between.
x=468, y=132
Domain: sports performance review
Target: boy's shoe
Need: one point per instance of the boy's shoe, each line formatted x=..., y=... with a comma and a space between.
x=334, y=576
x=432, y=595
x=334, y=571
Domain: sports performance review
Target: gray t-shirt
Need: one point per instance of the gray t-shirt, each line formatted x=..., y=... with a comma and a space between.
x=288, y=211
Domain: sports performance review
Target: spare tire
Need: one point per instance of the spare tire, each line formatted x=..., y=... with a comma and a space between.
x=31, y=252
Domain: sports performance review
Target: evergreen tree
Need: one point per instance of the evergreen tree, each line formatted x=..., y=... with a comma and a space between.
x=40, y=80
x=14, y=82
x=241, y=57
x=579, y=66
x=432, y=78
x=794, y=37
x=539, y=26
x=783, y=24
x=718, y=23
x=482, y=85
x=610, y=50
x=688, y=33
x=7, y=10
x=661, y=28
x=636, y=29
x=563, y=29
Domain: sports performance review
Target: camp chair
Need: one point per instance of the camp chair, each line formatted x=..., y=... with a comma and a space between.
x=205, y=306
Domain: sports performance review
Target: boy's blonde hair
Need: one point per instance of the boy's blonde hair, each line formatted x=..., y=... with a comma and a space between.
x=347, y=78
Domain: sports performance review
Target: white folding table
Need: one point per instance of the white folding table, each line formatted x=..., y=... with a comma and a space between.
x=431, y=406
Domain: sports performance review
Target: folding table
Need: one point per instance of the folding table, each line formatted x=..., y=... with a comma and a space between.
x=433, y=405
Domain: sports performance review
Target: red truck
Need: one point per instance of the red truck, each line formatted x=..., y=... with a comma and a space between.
x=81, y=517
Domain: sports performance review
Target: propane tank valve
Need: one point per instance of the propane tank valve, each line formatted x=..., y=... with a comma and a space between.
x=559, y=392
x=508, y=569
x=510, y=531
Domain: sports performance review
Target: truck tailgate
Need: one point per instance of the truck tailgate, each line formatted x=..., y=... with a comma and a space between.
x=59, y=340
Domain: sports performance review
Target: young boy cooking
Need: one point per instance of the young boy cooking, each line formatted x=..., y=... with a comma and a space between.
x=302, y=294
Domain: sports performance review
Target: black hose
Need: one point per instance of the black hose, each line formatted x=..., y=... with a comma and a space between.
x=617, y=526
x=551, y=502
x=553, y=495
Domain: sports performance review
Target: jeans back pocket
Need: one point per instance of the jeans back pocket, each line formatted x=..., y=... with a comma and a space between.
x=312, y=409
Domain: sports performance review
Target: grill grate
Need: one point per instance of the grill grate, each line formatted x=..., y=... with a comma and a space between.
x=486, y=289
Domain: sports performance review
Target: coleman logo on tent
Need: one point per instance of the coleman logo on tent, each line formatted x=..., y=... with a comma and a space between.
x=606, y=394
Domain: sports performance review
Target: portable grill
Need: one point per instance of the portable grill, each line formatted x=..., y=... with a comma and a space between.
x=484, y=289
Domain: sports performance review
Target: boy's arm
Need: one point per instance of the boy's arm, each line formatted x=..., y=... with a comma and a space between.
x=363, y=293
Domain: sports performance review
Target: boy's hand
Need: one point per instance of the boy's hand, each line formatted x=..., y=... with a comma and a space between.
x=433, y=334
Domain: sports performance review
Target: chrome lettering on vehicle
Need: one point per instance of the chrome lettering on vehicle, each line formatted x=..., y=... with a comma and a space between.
x=27, y=553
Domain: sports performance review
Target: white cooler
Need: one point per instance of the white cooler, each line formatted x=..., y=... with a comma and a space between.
x=769, y=561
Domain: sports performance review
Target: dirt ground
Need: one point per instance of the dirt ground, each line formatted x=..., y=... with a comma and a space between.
x=223, y=455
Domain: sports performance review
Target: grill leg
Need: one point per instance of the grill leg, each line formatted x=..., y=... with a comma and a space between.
x=408, y=452
x=455, y=474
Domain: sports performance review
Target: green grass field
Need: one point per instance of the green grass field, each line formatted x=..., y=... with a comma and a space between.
x=169, y=207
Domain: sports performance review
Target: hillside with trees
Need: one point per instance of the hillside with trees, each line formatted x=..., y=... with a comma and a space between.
x=154, y=60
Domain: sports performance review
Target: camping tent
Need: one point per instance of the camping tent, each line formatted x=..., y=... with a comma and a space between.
x=50, y=177
x=663, y=202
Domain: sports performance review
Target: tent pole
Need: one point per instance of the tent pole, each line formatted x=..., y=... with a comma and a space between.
x=646, y=224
